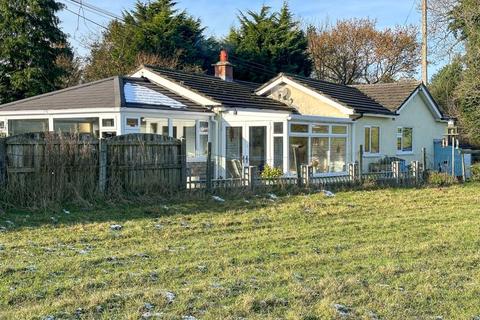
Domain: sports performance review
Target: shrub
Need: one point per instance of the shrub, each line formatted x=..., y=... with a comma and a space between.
x=440, y=179
x=476, y=172
x=271, y=172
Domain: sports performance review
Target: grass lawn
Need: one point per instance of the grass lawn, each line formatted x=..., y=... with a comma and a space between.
x=388, y=254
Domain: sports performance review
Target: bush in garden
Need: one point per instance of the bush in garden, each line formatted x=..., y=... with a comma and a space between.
x=440, y=179
x=475, y=172
x=271, y=172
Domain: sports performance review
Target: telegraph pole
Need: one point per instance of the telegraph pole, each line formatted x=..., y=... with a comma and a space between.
x=424, y=43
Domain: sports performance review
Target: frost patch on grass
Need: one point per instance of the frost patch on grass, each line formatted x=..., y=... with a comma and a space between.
x=272, y=196
x=328, y=193
x=116, y=227
x=152, y=315
x=218, y=199
x=170, y=296
x=342, y=310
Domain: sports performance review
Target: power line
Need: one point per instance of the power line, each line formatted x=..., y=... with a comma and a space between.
x=410, y=12
x=88, y=9
x=107, y=14
x=250, y=65
x=85, y=18
x=97, y=9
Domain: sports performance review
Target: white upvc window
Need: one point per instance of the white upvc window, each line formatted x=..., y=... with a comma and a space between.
x=372, y=140
x=195, y=133
x=132, y=122
x=404, y=140
x=278, y=136
x=321, y=145
x=108, y=123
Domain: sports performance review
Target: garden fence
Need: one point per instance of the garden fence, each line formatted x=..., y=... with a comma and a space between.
x=43, y=167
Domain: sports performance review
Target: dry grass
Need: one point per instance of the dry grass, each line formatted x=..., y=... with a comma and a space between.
x=386, y=254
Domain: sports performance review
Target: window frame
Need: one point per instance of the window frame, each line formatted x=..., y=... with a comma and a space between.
x=108, y=119
x=129, y=127
x=399, y=135
x=198, y=133
x=330, y=135
x=278, y=135
x=368, y=151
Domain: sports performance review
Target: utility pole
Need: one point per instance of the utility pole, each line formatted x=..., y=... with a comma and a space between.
x=424, y=43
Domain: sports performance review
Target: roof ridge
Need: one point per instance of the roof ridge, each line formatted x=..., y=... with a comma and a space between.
x=47, y=94
x=396, y=83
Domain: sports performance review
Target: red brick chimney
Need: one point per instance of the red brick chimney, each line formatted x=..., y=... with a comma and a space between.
x=223, y=68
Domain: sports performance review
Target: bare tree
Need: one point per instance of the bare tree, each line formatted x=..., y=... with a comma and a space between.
x=443, y=42
x=354, y=51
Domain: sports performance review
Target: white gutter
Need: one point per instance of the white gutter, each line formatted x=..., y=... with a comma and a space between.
x=379, y=115
x=57, y=111
x=307, y=118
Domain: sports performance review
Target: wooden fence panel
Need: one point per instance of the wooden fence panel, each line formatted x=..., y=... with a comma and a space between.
x=37, y=168
x=41, y=167
x=145, y=163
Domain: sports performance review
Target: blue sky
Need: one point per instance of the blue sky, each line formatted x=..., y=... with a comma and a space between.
x=218, y=16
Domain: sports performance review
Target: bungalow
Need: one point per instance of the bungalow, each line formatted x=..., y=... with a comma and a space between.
x=247, y=123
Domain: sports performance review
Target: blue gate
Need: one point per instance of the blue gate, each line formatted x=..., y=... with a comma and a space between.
x=443, y=158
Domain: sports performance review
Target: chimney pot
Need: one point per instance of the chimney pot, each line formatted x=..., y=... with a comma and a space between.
x=223, y=68
x=223, y=55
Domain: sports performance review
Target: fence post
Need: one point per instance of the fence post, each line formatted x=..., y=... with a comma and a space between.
x=424, y=162
x=3, y=160
x=396, y=170
x=309, y=174
x=102, y=165
x=305, y=174
x=360, y=164
x=183, y=161
x=252, y=175
x=246, y=176
x=351, y=171
x=415, y=170
x=209, y=167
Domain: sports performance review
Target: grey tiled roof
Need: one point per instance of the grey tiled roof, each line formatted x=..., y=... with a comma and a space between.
x=229, y=94
x=105, y=93
x=348, y=96
x=390, y=95
x=97, y=94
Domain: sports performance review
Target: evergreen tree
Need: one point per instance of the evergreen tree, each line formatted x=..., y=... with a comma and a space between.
x=153, y=32
x=267, y=43
x=30, y=43
x=444, y=85
x=466, y=22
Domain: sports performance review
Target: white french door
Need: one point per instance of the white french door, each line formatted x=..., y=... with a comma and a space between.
x=245, y=145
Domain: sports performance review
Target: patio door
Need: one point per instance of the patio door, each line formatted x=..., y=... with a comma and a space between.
x=245, y=145
x=257, y=146
x=234, y=151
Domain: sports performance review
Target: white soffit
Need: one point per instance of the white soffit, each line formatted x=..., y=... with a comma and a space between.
x=135, y=93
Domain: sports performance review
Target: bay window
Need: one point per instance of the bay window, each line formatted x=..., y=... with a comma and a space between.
x=323, y=146
x=404, y=139
x=372, y=140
